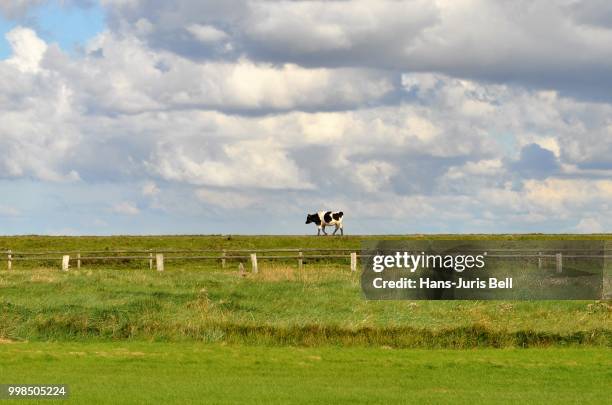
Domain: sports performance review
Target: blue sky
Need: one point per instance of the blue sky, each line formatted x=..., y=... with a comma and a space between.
x=5, y=26
x=69, y=26
x=242, y=117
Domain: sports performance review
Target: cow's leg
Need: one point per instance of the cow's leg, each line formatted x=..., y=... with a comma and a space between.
x=318, y=230
x=335, y=230
x=323, y=229
x=341, y=230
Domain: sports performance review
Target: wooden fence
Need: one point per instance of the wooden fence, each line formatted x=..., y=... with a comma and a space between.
x=157, y=258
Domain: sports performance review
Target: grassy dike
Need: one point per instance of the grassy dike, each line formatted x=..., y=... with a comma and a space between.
x=322, y=304
x=34, y=242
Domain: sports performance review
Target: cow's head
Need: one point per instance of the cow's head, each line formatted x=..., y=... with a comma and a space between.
x=311, y=218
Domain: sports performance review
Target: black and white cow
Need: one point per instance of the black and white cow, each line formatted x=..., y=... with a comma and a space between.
x=326, y=218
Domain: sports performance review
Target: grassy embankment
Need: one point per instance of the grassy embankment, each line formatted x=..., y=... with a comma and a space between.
x=322, y=304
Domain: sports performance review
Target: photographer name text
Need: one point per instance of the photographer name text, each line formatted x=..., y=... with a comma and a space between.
x=427, y=283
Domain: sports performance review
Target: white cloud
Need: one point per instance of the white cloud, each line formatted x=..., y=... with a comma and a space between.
x=255, y=164
x=374, y=175
x=38, y=128
x=589, y=225
x=556, y=44
x=150, y=189
x=132, y=77
x=487, y=167
x=342, y=27
x=17, y=8
x=28, y=49
x=565, y=195
x=549, y=200
x=206, y=33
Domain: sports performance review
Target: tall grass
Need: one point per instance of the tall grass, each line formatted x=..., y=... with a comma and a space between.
x=321, y=304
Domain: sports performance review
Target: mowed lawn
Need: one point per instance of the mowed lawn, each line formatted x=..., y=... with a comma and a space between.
x=169, y=373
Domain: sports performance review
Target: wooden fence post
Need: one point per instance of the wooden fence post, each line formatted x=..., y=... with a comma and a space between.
x=65, y=262
x=223, y=254
x=353, y=261
x=78, y=261
x=159, y=260
x=300, y=260
x=9, y=264
x=539, y=260
x=254, y=262
x=150, y=260
x=559, y=257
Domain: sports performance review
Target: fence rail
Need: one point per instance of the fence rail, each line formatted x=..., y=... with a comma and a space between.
x=160, y=256
x=62, y=252
x=300, y=254
x=169, y=251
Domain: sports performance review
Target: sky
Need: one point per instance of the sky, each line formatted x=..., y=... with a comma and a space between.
x=227, y=117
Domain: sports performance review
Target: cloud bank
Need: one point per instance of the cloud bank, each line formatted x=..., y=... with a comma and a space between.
x=410, y=116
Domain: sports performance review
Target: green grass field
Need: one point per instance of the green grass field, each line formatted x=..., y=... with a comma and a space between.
x=181, y=373
x=280, y=305
x=119, y=332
